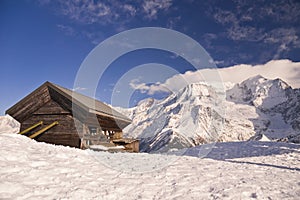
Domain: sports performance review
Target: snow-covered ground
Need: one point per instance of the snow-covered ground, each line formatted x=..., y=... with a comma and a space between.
x=241, y=170
x=9, y=125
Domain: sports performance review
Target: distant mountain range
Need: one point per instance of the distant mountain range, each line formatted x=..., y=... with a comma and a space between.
x=256, y=109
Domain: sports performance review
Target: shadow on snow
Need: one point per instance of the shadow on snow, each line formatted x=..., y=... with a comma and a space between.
x=232, y=150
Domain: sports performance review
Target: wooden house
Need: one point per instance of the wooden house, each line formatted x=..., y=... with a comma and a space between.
x=56, y=115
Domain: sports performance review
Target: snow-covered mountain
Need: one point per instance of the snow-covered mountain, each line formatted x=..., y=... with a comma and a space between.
x=257, y=108
x=9, y=125
x=276, y=103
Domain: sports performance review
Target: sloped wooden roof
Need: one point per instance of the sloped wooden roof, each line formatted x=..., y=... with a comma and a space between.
x=95, y=106
x=41, y=95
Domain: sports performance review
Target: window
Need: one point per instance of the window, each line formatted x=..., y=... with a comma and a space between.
x=93, y=130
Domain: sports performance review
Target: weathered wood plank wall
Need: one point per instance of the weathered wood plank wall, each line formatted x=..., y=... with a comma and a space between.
x=65, y=133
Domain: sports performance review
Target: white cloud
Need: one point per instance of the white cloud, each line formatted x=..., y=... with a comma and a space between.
x=107, y=11
x=130, y=9
x=86, y=11
x=173, y=22
x=240, y=23
x=94, y=37
x=136, y=85
x=286, y=70
x=79, y=89
x=68, y=30
x=225, y=17
x=281, y=10
x=152, y=7
x=218, y=62
x=235, y=30
x=150, y=89
x=286, y=38
x=116, y=13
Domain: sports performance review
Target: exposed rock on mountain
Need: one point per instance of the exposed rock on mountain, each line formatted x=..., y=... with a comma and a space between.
x=257, y=108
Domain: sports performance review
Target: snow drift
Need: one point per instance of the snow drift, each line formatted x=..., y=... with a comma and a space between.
x=244, y=170
x=9, y=125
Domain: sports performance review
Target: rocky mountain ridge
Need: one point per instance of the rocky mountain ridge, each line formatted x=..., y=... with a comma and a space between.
x=257, y=109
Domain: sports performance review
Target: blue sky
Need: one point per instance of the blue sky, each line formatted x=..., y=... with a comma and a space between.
x=48, y=40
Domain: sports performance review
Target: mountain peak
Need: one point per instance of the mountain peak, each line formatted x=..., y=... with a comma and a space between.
x=259, y=91
x=259, y=80
x=257, y=77
x=198, y=114
x=197, y=90
x=255, y=80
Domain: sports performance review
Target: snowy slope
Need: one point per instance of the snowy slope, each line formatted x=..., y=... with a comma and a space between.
x=243, y=170
x=9, y=125
x=261, y=92
x=257, y=108
x=277, y=105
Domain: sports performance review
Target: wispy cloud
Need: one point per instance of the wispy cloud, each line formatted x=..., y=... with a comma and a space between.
x=68, y=30
x=130, y=10
x=285, y=38
x=281, y=11
x=118, y=15
x=87, y=12
x=78, y=89
x=173, y=22
x=108, y=11
x=95, y=37
x=152, y=7
x=234, y=27
x=243, y=23
x=150, y=89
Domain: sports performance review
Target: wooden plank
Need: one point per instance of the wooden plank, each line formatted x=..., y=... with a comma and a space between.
x=104, y=122
x=31, y=127
x=65, y=133
x=43, y=130
x=32, y=102
x=77, y=111
x=51, y=107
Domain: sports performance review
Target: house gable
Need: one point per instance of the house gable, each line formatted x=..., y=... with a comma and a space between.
x=50, y=108
x=31, y=103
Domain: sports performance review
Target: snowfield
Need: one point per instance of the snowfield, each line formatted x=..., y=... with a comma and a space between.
x=236, y=170
x=9, y=125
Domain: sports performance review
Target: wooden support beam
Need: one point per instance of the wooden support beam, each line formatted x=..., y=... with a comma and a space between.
x=43, y=130
x=31, y=127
